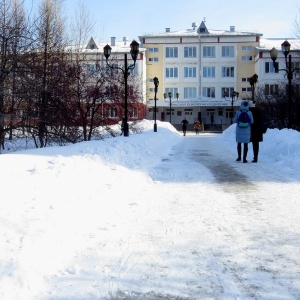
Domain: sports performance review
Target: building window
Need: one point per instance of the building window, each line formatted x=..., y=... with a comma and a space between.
x=227, y=91
x=133, y=112
x=113, y=70
x=269, y=67
x=209, y=51
x=246, y=90
x=229, y=113
x=153, y=49
x=92, y=69
x=168, y=111
x=174, y=91
x=130, y=90
x=189, y=93
x=227, y=71
x=209, y=92
x=246, y=48
x=227, y=51
x=190, y=72
x=111, y=91
x=171, y=72
x=209, y=72
x=190, y=52
x=112, y=112
x=210, y=111
x=247, y=58
x=271, y=89
x=178, y=113
x=134, y=71
x=295, y=66
x=245, y=79
x=188, y=112
x=153, y=59
x=296, y=89
x=171, y=52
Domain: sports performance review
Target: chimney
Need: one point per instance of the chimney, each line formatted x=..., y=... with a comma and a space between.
x=168, y=29
x=194, y=25
x=232, y=28
x=113, y=41
x=125, y=39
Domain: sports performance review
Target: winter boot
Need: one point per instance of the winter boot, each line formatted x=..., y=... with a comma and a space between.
x=255, y=151
x=245, y=153
x=239, y=150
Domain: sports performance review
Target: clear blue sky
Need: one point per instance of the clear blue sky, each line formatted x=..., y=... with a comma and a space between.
x=131, y=18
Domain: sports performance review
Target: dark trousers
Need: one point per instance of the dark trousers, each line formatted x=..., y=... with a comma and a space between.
x=239, y=149
x=255, y=146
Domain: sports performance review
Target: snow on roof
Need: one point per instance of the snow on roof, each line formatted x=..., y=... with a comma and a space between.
x=119, y=47
x=269, y=43
x=192, y=32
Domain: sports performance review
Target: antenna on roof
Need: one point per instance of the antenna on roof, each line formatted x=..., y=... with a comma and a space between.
x=204, y=19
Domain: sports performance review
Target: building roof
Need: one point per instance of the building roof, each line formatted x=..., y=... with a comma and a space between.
x=268, y=43
x=117, y=46
x=201, y=31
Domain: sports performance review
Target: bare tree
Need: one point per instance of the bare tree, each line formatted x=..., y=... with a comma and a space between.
x=14, y=40
x=46, y=62
x=275, y=104
x=51, y=91
x=87, y=86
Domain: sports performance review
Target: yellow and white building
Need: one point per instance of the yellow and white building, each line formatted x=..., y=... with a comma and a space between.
x=204, y=66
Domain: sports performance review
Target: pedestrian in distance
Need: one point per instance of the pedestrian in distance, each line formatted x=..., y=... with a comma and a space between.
x=184, y=123
x=122, y=126
x=258, y=128
x=243, y=119
x=212, y=119
x=197, y=126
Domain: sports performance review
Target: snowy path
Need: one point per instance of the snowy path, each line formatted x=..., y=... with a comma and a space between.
x=208, y=231
x=249, y=240
x=193, y=225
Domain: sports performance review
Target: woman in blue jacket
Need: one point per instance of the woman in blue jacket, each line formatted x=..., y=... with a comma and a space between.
x=243, y=134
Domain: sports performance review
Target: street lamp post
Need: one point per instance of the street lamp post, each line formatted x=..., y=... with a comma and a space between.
x=134, y=50
x=156, y=83
x=285, y=47
x=170, y=101
x=253, y=81
x=234, y=97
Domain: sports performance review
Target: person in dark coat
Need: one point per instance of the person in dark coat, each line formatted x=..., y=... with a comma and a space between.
x=123, y=126
x=243, y=134
x=184, y=123
x=212, y=119
x=257, y=131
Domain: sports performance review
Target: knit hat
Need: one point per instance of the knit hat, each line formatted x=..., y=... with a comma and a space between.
x=244, y=105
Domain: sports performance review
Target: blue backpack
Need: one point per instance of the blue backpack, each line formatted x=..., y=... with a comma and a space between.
x=243, y=120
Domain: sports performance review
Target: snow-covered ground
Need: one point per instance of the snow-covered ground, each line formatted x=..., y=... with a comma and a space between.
x=152, y=216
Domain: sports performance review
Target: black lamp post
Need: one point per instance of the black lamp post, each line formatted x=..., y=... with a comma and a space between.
x=134, y=50
x=234, y=97
x=285, y=47
x=253, y=81
x=170, y=101
x=156, y=83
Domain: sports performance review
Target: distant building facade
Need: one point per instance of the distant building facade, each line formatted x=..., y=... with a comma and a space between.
x=205, y=67
x=209, y=69
x=270, y=78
